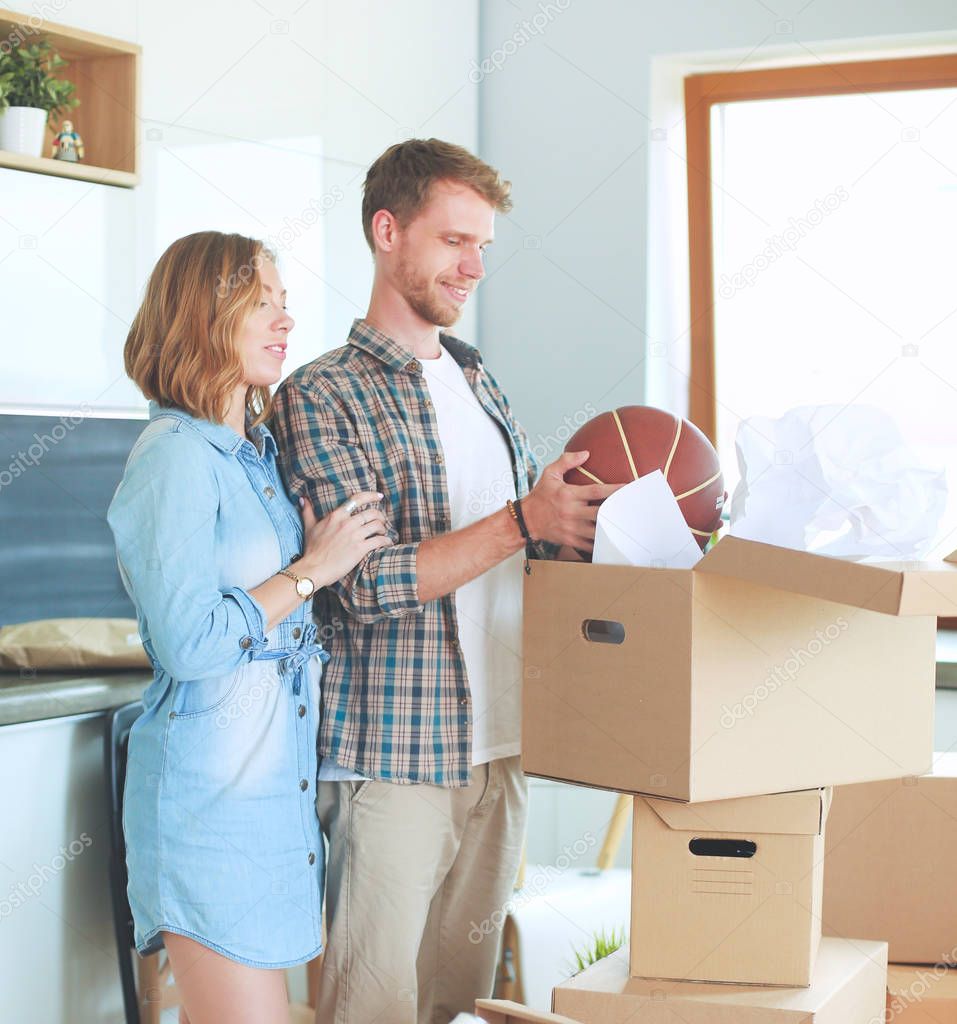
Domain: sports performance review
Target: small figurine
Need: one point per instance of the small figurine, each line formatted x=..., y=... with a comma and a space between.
x=67, y=144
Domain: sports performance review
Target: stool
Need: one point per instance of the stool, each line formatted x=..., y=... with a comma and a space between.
x=145, y=1000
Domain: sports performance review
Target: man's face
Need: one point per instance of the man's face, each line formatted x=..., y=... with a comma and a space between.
x=440, y=254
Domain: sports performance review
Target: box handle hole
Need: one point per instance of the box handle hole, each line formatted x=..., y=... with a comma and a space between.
x=603, y=631
x=723, y=847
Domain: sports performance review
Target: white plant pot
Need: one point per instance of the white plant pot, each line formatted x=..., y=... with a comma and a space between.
x=22, y=130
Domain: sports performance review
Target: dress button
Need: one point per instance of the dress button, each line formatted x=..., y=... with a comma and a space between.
x=303, y=785
x=437, y=458
x=246, y=643
x=464, y=701
x=302, y=710
x=414, y=366
x=269, y=492
x=296, y=633
x=427, y=403
x=312, y=858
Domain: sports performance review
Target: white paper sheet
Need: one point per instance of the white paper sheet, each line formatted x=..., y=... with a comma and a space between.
x=642, y=525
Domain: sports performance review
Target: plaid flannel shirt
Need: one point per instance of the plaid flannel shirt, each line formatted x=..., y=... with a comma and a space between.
x=395, y=694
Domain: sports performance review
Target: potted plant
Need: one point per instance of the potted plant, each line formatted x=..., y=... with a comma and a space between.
x=29, y=93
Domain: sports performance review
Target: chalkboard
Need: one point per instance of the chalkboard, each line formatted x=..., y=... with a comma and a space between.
x=57, y=477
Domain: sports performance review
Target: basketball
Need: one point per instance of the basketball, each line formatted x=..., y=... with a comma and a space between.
x=627, y=443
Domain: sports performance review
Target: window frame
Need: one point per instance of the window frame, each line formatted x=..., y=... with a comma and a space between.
x=701, y=93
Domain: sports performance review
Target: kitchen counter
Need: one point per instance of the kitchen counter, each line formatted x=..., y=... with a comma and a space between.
x=35, y=697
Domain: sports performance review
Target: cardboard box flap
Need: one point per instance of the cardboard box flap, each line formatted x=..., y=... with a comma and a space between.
x=797, y=814
x=895, y=588
x=504, y=1011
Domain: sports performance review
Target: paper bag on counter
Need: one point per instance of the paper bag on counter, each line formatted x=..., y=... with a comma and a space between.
x=835, y=480
x=57, y=644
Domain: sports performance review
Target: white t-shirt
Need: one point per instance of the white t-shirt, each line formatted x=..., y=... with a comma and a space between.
x=478, y=467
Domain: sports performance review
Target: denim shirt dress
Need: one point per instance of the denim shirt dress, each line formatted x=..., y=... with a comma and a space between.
x=223, y=842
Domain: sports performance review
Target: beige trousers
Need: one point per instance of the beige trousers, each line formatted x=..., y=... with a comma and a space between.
x=415, y=884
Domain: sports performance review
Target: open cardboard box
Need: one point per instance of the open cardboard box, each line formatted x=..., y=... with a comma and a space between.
x=889, y=865
x=728, y=891
x=848, y=988
x=761, y=670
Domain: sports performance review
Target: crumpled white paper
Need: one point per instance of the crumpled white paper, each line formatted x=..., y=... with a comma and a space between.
x=641, y=524
x=835, y=480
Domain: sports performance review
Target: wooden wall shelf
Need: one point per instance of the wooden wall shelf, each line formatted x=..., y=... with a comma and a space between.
x=106, y=73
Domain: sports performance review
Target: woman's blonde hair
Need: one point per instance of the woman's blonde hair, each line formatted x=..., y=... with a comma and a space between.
x=181, y=350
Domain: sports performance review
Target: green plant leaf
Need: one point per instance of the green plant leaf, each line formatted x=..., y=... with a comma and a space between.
x=600, y=946
x=28, y=79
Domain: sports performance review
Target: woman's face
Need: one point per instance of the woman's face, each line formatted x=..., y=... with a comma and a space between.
x=262, y=341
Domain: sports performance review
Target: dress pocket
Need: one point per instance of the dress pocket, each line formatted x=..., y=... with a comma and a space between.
x=197, y=697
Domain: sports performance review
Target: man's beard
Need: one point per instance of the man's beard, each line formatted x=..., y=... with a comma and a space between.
x=418, y=294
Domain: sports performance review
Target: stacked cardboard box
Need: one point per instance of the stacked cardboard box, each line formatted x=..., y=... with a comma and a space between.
x=728, y=698
x=889, y=870
x=728, y=891
x=848, y=988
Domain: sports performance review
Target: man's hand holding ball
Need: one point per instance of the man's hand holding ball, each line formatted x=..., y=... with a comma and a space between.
x=565, y=513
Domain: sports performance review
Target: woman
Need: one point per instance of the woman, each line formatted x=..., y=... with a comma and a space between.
x=224, y=851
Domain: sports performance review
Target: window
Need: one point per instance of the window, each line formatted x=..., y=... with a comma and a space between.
x=823, y=227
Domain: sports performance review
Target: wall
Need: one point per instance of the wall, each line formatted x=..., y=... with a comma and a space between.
x=585, y=303
x=581, y=107
x=251, y=120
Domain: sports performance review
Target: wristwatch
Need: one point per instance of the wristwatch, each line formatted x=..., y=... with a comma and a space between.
x=305, y=588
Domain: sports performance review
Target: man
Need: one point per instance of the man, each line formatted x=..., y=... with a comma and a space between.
x=420, y=788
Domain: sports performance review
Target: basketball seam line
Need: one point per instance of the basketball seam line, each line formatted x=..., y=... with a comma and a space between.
x=624, y=443
x=700, y=487
x=674, y=448
x=591, y=476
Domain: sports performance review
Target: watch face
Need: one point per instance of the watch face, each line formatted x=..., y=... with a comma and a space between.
x=305, y=587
